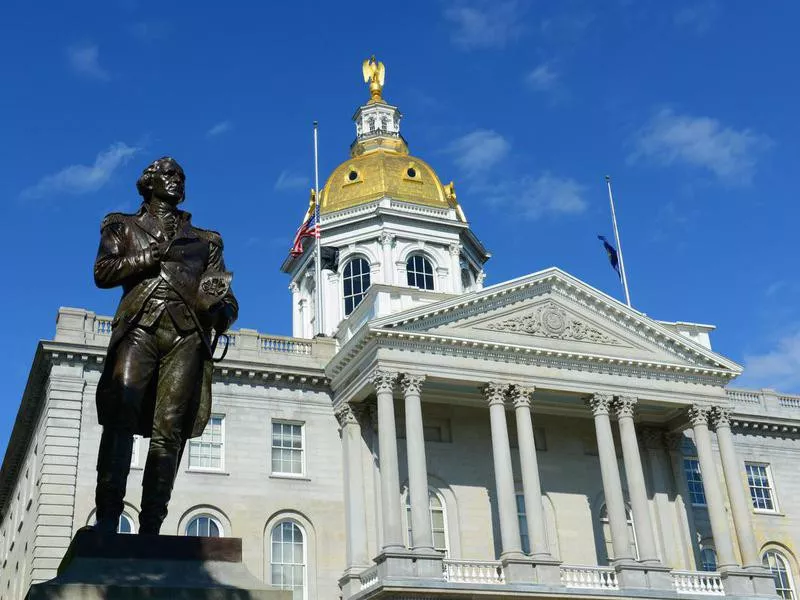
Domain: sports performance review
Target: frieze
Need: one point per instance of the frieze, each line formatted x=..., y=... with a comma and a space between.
x=553, y=322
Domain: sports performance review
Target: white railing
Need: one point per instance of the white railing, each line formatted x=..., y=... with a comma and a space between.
x=698, y=582
x=595, y=578
x=745, y=396
x=103, y=326
x=369, y=578
x=274, y=343
x=473, y=571
x=789, y=401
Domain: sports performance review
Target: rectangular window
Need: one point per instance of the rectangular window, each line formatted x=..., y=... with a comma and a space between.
x=208, y=451
x=287, y=448
x=761, y=492
x=522, y=519
x=697, y=495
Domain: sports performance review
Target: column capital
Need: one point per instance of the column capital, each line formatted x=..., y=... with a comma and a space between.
x=653, y=437
x=495, y=393
x=345, y=414
x=721, y=416
x=294, y=288
x=674, y=441
x=387, y=239
x=521, y=395
x=454, y=249
x=412, y=384
x=383, y=380
x=625, y=406
x=600, y=403
x=698, y=414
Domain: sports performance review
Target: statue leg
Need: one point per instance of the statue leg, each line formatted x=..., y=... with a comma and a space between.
x=133, y=369
x=179, y=369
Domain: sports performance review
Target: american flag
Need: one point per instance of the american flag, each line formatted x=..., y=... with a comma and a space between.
x=308, y=229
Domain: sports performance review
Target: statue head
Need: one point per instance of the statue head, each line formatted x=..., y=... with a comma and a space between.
x=163, y=179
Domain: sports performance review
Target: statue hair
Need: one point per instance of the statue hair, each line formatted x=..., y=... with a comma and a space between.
x=145, y=183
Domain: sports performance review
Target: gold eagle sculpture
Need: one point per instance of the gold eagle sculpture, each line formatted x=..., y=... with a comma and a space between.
x=374, y=74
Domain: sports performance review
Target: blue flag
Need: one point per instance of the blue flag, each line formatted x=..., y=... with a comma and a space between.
x=612, y=254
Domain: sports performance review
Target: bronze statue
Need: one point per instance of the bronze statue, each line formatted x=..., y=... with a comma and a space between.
x=156, y=380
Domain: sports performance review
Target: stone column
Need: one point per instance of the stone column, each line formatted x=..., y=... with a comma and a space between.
x=698, y=416
x=740, y=504
x=637, y=489
x=417, y=467
x=531, y=485
x=455, y=267
x=503, y=472
x=612, y=484
x=356, y=555
x=390, y=476
x=387, y=242
x=688, y=532
x=297, y=314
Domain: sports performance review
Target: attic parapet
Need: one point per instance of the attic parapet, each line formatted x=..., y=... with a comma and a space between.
x=764, y=402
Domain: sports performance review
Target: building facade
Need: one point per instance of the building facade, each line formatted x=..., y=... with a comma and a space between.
x=442, y=439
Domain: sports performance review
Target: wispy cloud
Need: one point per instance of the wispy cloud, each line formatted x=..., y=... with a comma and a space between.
x=778, y=368
x=484, y=24
x=698, y=16
x=478, y=150
x=82, y=179
x=545, y=195
x=542, y=79
x=730, y=154
x=84, y=59
x=219, y=129
x=288, y=181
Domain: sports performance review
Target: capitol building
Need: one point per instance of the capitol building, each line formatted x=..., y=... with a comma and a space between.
x=442, y=439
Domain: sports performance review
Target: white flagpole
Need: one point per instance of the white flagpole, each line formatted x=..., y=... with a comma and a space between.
x=619, y=245
x=317, y=254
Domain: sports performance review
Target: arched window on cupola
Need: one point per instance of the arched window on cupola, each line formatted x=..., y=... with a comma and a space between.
x=355, y=282
x=420, y=272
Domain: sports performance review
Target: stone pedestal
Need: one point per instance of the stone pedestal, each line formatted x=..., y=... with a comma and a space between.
x=636, y=575
x=101, y=566
x=532, y=570
x=406, y=564
x=748, y=581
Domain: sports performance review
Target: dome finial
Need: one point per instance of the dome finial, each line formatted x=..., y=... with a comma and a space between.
x=374, y=73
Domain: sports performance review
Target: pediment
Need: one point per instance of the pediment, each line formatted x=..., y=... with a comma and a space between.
x=553, y=312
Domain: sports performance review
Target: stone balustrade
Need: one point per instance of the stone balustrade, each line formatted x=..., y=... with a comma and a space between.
x=369, y=578
x=762, y=402
x=591, y=578
x=473, y=571
x=698, y=582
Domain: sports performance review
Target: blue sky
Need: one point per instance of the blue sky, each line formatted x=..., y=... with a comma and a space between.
x=690, y=106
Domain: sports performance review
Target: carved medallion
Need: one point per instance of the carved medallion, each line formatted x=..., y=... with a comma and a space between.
x=554, y=322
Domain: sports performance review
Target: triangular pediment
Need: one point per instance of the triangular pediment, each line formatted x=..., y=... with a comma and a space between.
x=553, y=312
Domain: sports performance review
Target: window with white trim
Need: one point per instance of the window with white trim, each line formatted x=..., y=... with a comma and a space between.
x=287, y=559
x=694, y=481
x=204, y=526
x=438, y=521
x=633, y=546
x=125, y=524
x=760, y=484
x=708, y=560
x=208, y=450
x=287, y=448
x=355, y=282
x=420, y=272
x=779, y=567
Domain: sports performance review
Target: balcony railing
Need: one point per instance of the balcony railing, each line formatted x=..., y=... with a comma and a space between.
x=369, y=578
x=698, y=582
x=593, y=578
x=473, y=571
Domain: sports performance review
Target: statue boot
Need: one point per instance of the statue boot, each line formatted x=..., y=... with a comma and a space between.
x=159, y=477
x=113, y=466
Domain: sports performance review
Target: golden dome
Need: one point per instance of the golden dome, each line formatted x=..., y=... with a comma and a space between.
x=379, y=173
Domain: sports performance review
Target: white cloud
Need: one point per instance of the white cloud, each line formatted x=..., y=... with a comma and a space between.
x=701, y=142
x=698, y=16
x=219, y=128
x=546, y=195
x=543, y=78
x=84, y=60
x=478, y=150
x=82, y=179
x=484, y=24
x=778, y=369
x=291, y=181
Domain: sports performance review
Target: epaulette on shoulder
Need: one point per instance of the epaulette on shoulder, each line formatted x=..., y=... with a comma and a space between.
x=210, y=236
x=114, y=218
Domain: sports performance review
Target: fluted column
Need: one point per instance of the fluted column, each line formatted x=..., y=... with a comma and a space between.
x=417, y=467
x=531, y=485
x=503, y=472
x=698, y=416
x=455, y=267
x=387, y=241
x=637, y=489
x=740, y=503
x=390, y=476
x=609, y=472
x=356, y=553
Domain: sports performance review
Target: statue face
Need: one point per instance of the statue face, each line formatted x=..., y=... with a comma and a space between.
x=169, y=183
